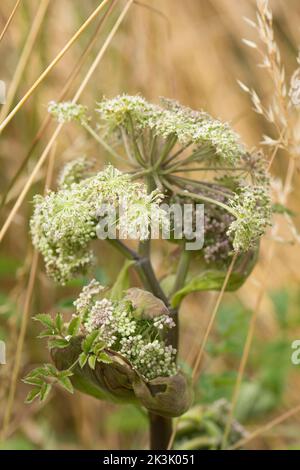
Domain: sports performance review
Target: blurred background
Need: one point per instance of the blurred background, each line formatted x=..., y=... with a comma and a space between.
x=192, y=51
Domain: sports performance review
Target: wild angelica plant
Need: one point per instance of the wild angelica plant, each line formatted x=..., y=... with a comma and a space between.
x=121, y=344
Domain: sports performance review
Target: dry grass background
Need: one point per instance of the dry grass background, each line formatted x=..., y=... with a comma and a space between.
x=190, y=50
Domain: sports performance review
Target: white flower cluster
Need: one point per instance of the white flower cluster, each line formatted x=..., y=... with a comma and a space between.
x=67, y=111
x=61, y=228
x=138, y=216
x=140, y=341
x=86, y=297
x=186, y=125
x=152, y=359
x=74, y=171
x=253, y=211
x=163, y=321
x=64, y=222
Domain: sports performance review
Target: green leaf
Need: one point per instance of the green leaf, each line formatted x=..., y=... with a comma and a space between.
x=92, y=361
x=58, y=343
x=65, y=373
x=74, y=326
x=46, y=333
x=51, y=370
x=33, y=381
x=38, y=372
x=89, y=340
x=103, y=357
x=207, y=280
x=45, y=390
x=45, y=319
x=66, y=383
x=59, y=323
x=122, y=281
x=83, y=359
x=34, y=393
x=99, y=346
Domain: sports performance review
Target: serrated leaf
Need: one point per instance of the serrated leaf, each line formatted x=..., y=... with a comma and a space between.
x=99, y=346
x=92, y=361
x=66, y=383
x=74, y=326
x=45, y=390
x=59, y=323
x=51, y=370
x=34, y=393
x=65, y=373
x=38, y=372
x=45, y=319
x=33, y=381
x=88, y=341
x=46, y=333
x=58, y=343
x=103, y=357
x=83, y=359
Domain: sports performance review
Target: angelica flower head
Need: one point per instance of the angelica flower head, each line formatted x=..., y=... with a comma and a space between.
x=65, y=222
x=170, y=119
x=138, y=339
x=68, y=111
x=74, y=171
x=253, y=211
x=86, y=298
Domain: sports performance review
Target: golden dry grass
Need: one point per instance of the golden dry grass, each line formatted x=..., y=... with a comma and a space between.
x=190, y=50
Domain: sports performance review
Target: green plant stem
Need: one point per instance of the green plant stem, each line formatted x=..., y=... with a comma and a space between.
x=182, y=270
x=198, y=197
x=160, y=431
x=179, y=152
x=144, y=269
x=171, y=141
x=202, y=168
x=137, y=152
x=182, y=182
x=153, y=150
x=102, y=142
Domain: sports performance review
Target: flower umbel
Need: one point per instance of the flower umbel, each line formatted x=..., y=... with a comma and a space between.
x=64, y=222
x=68, y=111
x=253, y=215
x=140, y=340
x=171, y=119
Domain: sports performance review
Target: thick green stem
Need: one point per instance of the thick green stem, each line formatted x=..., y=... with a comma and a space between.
x=182, y=270
x=160, y=432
